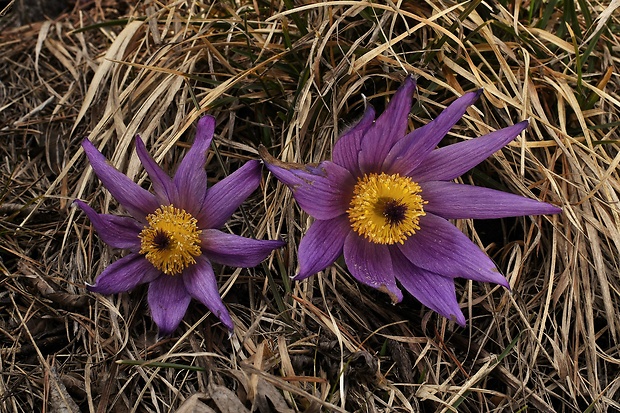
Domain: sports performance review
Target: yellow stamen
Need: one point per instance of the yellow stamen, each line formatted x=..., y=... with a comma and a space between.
x=171, y=240
x=386, y=209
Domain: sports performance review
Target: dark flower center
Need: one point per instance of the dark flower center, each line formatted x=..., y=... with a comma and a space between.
x=393, y=210
x=161, y=241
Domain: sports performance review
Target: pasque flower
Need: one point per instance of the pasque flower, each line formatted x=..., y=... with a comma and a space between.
x=172, y=234
x=386, y=197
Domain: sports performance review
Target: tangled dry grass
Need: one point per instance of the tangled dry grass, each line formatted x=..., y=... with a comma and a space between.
x=290, y=75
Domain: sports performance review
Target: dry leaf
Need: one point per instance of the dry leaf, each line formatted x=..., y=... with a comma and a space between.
x=226, y=400
x=195, y=405
x=60, y=401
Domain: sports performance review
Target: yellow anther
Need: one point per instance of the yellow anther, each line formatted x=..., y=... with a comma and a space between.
x=171, y=240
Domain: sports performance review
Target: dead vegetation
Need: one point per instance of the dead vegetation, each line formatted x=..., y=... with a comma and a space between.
x=290, y=75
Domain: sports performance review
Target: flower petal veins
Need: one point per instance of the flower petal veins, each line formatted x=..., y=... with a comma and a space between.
x=234, y=250
x=225, y=197
x=322, y=245
x=387, y=130
x=321, y=190
x=125, y=274
x=347, y=148
x=136, y=200
x=168, y=300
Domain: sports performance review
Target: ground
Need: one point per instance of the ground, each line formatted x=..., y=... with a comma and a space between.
x=292, y=75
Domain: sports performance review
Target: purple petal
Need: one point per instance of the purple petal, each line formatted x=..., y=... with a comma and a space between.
x=136, y=200
x=410, y=151
x=162, y=183
x=168, y=300
x=323, y=191
x=191, y=177
x=455, y=201
x=117, y=232
x=225, y=197
x=432, y=290
x=322, y=245
x=346, y=149
x=389, y=128
x=236, y=251
x=124, y=275
x=201, y=284
x=371, y=264
x=449, y=162
x=439, y=247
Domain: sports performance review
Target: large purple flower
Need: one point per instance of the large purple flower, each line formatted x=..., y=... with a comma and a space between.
x=172, y=234
x=385, y=200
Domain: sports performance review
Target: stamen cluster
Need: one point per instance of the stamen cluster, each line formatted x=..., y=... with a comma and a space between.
x=386, y=209
x=171, y=241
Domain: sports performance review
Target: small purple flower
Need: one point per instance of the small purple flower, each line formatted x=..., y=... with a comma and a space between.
x=385, y=200
x=172, y=234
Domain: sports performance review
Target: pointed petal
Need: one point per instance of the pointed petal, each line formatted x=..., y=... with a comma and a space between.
x=162, y=183
x=322, y=245
x=124, y=275
x=136, y=200
x=201, y=284
x=236, y=251
x=225, y=197
x=410, y=151
x=191, y=177
x=168, y=300
x=117, y=232
x=432, y=290
x=456, y=201
x=323, y=191
x=389, y=128
x=346, y=149
x=441, y=248
x=371, y=264
x=452, y=161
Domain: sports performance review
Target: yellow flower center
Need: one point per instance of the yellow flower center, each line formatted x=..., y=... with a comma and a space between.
x=386, y=209
x=171, y=240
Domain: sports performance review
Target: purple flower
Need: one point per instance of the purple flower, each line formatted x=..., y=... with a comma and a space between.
x=172, y=234
x=385, y=200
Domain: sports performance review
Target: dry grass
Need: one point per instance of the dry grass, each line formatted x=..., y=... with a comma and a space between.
x=290, y=75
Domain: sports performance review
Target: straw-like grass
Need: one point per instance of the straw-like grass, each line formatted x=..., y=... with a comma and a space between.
x=291, y=75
